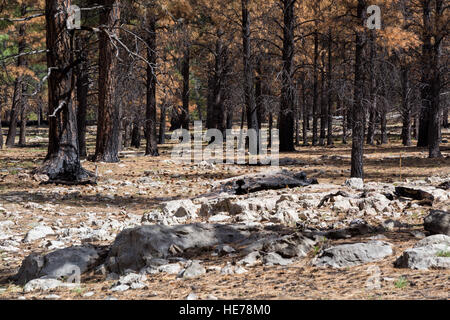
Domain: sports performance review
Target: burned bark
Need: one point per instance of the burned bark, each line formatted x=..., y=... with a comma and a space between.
x=62, y=161
x=357, y=164
x=108, y=126
x=151, y=148
x=286, y=118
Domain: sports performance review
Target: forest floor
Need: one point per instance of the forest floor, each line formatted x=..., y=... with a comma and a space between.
x=32, y=204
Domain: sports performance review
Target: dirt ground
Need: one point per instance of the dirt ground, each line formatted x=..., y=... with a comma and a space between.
x=388, y=163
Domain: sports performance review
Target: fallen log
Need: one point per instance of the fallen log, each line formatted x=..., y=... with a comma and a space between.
x=424, y=197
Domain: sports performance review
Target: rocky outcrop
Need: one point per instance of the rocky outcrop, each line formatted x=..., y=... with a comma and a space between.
x=349, y=255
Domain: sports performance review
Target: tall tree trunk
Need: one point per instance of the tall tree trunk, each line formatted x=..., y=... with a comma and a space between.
x=136, y=134
x=259, y=92
x=286, y=118
x=305, y=111
x=406, y=108
x=344, y=120
x=384, y=134
x=185, y=72
x=162, y=124
x=108, y=126
x=373, y=88
x=151, y=148
x=445, y=117
x=82, y=94
x=249, y=88
x=357, y=164
x=434, y=83
x=329, y=90
x=23, y=124
x=323, y=105
x=216, y=110
x=62, y=161
x=1, y=130
x=19, y=84
x=297, y=116
x=315, y=88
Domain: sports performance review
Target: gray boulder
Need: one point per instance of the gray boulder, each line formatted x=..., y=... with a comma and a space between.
x=437, y=222
x=60, y=263
x=134, y=247
x=273, y=259
x=46, y=284
x=290, y=246
x=430, y=253
x=348, y=255
x=194, y=269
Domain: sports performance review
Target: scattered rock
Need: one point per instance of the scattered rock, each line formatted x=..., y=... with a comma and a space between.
x=430, y=253
x=273, y=259
x=437, y=222
x=88, y=294
x=173, y=268
x=348, y=255
x=180, y=208
x=130, y=281
x=38, y=232
x=251, y=259
x=355, y=183
x=195, y=269
x=290, y=246
x=230, y=269
x=67, y=262
x=46, y=284
x=192, y=296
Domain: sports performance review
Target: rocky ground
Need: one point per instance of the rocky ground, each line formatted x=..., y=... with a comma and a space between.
x=154, y=229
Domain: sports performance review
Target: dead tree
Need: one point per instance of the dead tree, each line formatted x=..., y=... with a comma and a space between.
x=62, y=161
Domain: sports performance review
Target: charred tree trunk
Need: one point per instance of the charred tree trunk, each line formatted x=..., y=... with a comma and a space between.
x=82, y=95
x=62, y=161
x=23, y=124
x=259, y=92
x=249, y=88
x=384, y=134
x=434, y=83
x=373, y=97
x=357, y=164
x=297, y=116
x=210, y=120
x=305, y=112
x=1, y=130
x=406, y=108
x=216, y=108
x=315, y=91
x=151, y=148
x=344, y=120
x=330, y=92
x=185, y=72
x=323, y=106
x=445, y=117
x=108, y=126
x=286, y=118
x=136, y=134
x=162, y=124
